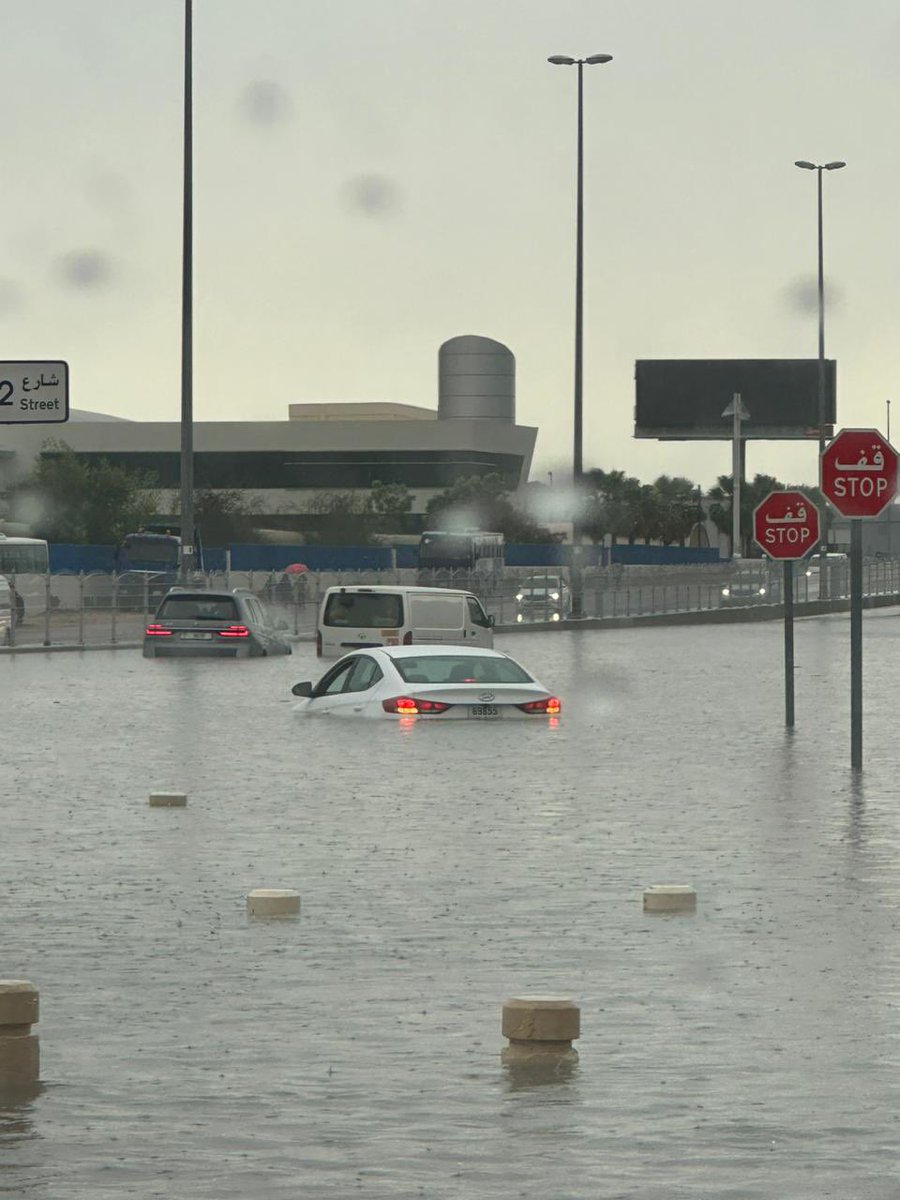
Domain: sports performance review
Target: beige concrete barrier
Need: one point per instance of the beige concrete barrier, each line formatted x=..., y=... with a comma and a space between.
x=540, y=1025
x=168, y=800
x=670, y=898
x=19, y=1047
x=273, y=902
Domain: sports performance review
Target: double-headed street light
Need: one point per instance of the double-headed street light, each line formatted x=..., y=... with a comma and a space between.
x=563, y=60
x=819, y=168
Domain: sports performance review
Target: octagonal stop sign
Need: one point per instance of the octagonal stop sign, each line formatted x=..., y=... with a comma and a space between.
x=786, y=525
x=858, y=472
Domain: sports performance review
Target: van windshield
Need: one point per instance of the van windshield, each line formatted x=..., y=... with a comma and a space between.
x=364, y=610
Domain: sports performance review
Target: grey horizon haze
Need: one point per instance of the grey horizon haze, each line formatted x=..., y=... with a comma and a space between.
x=373, y=179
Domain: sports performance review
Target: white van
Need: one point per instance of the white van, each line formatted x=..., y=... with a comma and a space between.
x=356, y=616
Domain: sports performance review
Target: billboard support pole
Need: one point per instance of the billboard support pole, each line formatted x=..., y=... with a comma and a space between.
x=738, y=413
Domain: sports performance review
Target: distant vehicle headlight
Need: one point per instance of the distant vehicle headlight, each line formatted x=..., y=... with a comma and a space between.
x=726, y=591
x=554, y=595
x=762, y=591
x=555, y=617
x=519, y=617
x=520, y=595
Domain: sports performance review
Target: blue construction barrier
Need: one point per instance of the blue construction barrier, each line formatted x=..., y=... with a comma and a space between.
x=245, y=557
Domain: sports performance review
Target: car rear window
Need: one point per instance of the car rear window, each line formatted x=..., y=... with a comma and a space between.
x=198, y=608
x=364, y=610
x=460, y=668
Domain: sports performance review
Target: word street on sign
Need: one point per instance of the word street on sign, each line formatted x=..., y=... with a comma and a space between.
x=786, y=525
x=34, y=393
x=858, y=472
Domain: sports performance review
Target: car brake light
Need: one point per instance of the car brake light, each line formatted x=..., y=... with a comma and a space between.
x=550, y=706
x=407, y=638
x=239, y=631
x=407, y=706
x=157, y=631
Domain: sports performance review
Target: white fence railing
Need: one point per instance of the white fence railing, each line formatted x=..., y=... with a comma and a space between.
x=98, y=609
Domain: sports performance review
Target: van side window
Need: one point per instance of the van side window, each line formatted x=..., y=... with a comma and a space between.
x=476, y=613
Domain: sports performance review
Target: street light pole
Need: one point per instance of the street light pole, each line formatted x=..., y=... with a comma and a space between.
x=187, y=415
x=819, y=168
x=577, y=448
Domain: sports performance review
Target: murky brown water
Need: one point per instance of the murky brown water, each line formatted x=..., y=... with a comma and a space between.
x=750, y=1051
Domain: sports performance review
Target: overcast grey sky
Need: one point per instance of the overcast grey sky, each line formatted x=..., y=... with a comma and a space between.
x=373, y=177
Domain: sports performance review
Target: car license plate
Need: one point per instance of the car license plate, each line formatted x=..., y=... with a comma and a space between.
x=484, y=712
x=197, y=637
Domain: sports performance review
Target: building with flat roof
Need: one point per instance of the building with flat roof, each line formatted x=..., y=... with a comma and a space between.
x=281, y=467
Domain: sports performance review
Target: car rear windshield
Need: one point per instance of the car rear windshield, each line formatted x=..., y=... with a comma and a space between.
x=460, y=668
x=364, y=610
x=198, y=608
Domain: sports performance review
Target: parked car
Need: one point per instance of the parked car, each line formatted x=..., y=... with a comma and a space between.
x=543, y=598
x=220, y=624
x=431, y=682
x=749, y=588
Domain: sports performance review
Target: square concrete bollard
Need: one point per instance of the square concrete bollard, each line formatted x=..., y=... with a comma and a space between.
x=168, y=800
x=540, y=1025
x=670, y=898
x=273, y=902
x=19, y=1047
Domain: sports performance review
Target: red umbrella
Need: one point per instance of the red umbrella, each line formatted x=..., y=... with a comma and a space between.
x=296, y=569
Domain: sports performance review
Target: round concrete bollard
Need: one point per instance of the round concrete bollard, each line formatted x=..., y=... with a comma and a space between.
x=168, y=800
x=273, y=902
x=540, y=1025
x=670, y=898
x=19, y=1049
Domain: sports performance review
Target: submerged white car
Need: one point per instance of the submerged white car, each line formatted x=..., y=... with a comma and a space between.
x=433, y=682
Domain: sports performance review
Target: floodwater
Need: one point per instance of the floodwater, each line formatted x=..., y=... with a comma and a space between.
x=748, y=1051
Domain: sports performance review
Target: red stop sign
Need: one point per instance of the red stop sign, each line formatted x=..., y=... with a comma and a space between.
x=786, y=525
x=858, y=472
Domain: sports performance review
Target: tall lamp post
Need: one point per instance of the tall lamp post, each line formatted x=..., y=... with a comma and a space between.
x=819, y=168
x=187, y=415
x=563, y=60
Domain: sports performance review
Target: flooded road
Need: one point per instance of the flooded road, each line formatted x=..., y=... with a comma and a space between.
x=748, y=1051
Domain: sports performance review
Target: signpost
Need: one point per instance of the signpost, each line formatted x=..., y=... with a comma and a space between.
x=858, y=473
x=34, y=393
x=786, y=527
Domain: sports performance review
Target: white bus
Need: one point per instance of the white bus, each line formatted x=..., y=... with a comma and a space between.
x=25, y=563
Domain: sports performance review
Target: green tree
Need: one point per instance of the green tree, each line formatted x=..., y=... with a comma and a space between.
x=223, y=516
x=390, y=504
x=344, y=519
x=483, y=502
x=753, y=492
x=71, y=499
x=678, y=509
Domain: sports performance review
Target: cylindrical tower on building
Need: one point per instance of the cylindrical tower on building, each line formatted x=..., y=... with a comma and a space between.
x=476, y=378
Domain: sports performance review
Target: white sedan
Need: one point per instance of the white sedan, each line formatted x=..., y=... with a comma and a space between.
x=433, y=682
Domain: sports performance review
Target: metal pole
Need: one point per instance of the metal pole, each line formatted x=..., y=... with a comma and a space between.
x=789, y=644
x=736, y=478
x=577, y=463
x=820, y=384
x=856, y=698
x=187, y=415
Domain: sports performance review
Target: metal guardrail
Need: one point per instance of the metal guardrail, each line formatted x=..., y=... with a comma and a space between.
x=98, y=609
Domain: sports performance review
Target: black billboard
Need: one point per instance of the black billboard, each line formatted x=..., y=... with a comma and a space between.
x=683, y=399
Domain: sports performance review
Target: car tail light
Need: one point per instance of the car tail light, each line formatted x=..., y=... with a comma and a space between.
x=236, y=631
x=407, y=638
x=408, y=706
x=157, y=631
x=549, y=706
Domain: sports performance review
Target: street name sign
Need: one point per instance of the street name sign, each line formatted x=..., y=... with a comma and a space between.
x=786, y=525
x=34, y=393
x=858, y=472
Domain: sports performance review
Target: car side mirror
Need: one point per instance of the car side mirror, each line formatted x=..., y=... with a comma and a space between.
x=302, y=689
